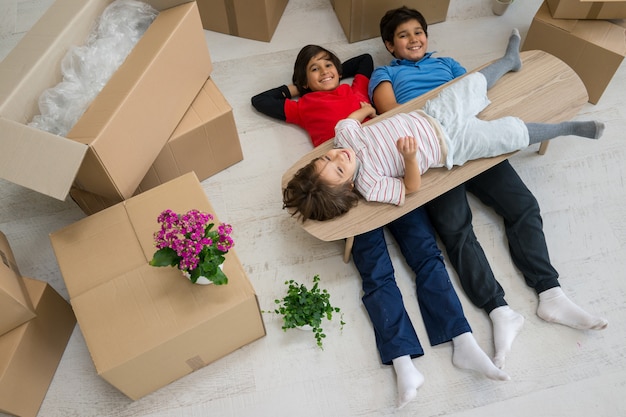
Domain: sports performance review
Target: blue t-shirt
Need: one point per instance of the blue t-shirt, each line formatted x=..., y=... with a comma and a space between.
x=411, y=79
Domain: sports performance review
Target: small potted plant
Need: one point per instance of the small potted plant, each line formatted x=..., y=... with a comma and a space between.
x=189, y=243
x=305, y=308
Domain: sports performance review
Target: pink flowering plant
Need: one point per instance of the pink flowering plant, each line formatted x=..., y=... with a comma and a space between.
x=189, y=242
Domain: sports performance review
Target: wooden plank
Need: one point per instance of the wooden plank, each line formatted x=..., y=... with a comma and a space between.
x=545, y=90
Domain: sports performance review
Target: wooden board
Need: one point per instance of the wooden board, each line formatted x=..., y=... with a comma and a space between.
x=545, y=90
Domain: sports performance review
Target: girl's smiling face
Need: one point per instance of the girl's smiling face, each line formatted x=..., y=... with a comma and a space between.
x=321, y=73
x=409, y=41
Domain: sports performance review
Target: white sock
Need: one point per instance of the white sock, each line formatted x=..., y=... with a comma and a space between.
x=507, y=323
x=468, y=355
x=555, y=307
x=409, y=379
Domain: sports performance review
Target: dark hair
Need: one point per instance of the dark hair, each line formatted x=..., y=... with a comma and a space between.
x=395, y=17
x=299, y=77
x=309, y=197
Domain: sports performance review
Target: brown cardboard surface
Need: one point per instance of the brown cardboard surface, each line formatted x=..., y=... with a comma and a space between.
x=360, y=19
x=585, y=9
x=144, y=326
x=30, y=353
x=205, y=141
x=15, y=305
x=247, y=19
x=114, y=143
x=593, y=48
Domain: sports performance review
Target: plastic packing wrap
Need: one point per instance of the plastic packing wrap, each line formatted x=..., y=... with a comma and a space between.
x=86, y=69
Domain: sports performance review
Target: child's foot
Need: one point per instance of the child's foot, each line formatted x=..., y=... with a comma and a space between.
x=512, y=51
x=588, y=129
x=507, y=323
x=468, y=355
x=409, y=379
x=555, y=307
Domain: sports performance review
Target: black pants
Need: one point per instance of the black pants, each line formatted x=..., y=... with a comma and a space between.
x=503, y=190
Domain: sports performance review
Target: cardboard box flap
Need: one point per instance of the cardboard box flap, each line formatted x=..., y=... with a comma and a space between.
x=34, y=66
x=114, y=251
x=181, y=195
x=44, y=163
x=148, y=292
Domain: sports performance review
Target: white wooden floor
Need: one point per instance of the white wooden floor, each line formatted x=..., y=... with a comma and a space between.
x=556, y=371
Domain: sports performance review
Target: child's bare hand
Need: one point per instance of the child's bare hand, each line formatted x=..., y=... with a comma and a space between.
x=407, y=146
x=369, y=109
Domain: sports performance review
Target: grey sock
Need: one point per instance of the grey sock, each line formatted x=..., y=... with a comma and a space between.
x=511, y=61
x=538, y=132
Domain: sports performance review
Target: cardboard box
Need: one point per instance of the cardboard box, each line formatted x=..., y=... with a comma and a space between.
x=583, y=9
x=360, y=19
x=256, y=19
x=15, y=305
x=90, y=203
x=30, y=353
x=205, y=141
x=111, y=147
x=146, y=326
x=593, y=48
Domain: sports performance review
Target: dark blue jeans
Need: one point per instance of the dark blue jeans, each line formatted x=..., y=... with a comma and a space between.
x=441, y=309
x=503, y=190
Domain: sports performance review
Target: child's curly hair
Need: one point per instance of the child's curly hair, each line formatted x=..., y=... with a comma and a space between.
x=309, y=197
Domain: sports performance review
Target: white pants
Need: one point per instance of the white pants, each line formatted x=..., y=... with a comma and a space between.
x=467, y=136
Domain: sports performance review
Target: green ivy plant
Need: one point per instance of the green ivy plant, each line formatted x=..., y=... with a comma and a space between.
x=306, y=307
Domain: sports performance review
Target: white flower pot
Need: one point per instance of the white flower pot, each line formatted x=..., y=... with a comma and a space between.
x=201, y=279
x=499, y=6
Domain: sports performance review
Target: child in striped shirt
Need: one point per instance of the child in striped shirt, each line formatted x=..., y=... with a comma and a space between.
x=384, y=161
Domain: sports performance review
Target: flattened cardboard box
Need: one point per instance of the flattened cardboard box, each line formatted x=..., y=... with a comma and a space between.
x=30, y=353
x=582, y=9
x=360, y=19
x=205, y=141
x=15, y=305
x=145, y=326
x=593, y=48
x=255, y=19
x=113, y=144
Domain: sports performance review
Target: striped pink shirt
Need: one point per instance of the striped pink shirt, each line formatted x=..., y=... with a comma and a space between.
x=381, y=164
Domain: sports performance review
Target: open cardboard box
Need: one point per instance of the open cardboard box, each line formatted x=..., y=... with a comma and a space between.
x=15, y=305
x=146, y=326
x=112, y=146
x=205, y=142
x=30, y=353
x=594, y=49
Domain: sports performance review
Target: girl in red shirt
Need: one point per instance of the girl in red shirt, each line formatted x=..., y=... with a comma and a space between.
x=316, y=100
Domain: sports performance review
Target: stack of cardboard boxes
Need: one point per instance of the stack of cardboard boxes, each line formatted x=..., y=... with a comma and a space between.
x=589, y=36
x=35, y=325
x=158, y=127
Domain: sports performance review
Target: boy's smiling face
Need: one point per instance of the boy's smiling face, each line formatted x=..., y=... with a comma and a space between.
x=409, y=41
x=321, y=73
